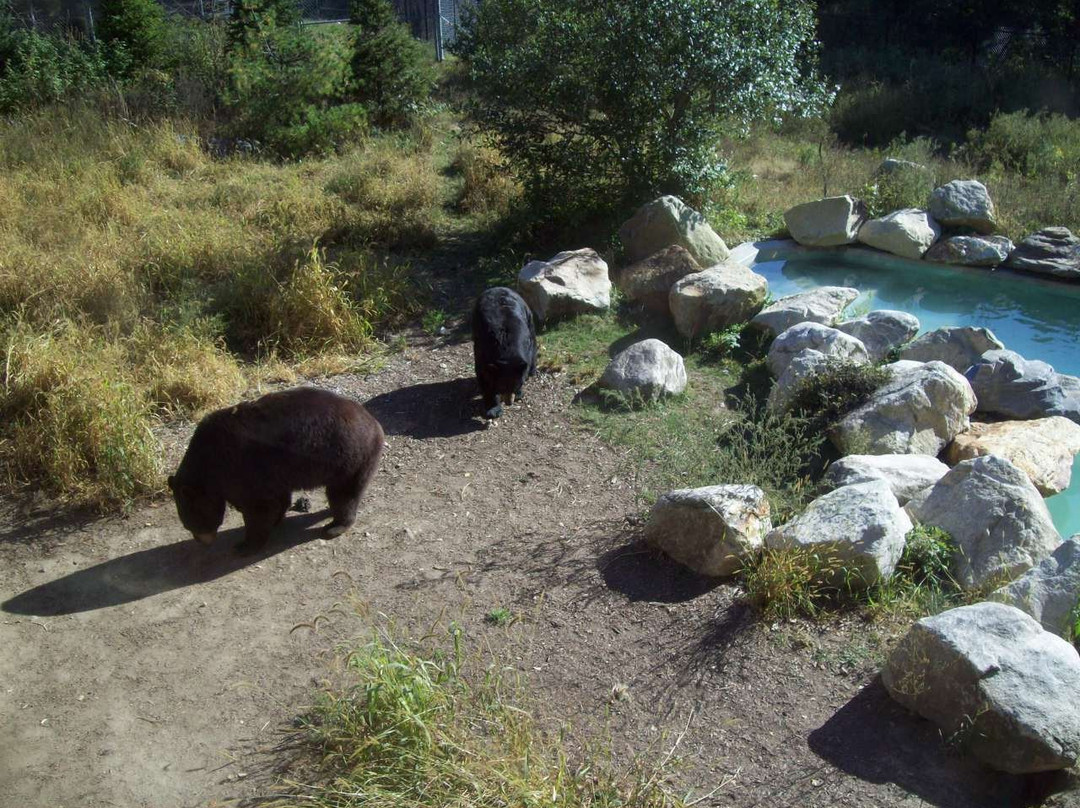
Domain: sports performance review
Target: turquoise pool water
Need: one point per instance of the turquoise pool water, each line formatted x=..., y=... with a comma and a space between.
x=1038, y=319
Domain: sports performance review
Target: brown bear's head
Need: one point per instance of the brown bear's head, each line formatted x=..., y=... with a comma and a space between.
x=200, y=511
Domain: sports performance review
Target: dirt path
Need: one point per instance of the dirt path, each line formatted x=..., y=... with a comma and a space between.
x=137, y=669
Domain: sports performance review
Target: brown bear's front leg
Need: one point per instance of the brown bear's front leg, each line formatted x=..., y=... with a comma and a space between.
x=260, y=518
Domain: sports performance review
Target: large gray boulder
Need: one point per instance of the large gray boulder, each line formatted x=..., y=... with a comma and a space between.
x=908, y=233
x=826, y=222
x=971, y=251
x=1050, y=592
x=712, y=530
x=723, y=295
x=648, y=369
x=832, y=343
x=996, y=517
x=650, y=280
x=882, y=331
x=861, y=528
x=905, y=474
x=1042, y=448
x=803, y=365
x=989, y=677
x=959, y=347
x=1052, y=251
x=918, y=412
x=573, y=282
x=963, y=203
x=666, y=221
x=822, y=305
x=1006, y=384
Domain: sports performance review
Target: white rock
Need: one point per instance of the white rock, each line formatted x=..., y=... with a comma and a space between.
x=963, y=203
x=832, y=343
x=1007, y=384
x=666, y=221
x=712, y=530
x=918, y=412
x=722, y=295
x=649, y=369
x=882, y=331
x=1043, y=448
x=959, y=347
x=996, y=517
x=905, y=474
x=822, y=305
x=971, y=251
x=826, y=222
x=861, y=527
x=573, y=282
x=990, y=678
x=649, y=281
x=908, y=233
x=1050, y=592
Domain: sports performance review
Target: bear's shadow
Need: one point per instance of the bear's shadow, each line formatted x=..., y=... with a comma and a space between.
x=158, y=569
x=434, y=410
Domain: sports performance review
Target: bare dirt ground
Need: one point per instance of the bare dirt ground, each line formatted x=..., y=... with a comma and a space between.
x=139, y=669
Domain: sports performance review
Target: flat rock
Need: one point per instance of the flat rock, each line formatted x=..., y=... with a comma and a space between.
x=989, y=677
x=1042, y=448
x=712, y=530
x=963, y=203
x=959, y=347
x=832, y=343
x=905, y=474
x=650, y=280
x=828, y=222
x=861, y=527
x=573, y=282
x=802, y=366
x=1051, y=251
x=882, y=331
x=722, y=295
x=649, y=369
x=1008, y=385
x=666, y=221
x=995, y=515
x=971, y=251
x=822, y=305
x=908, y=233
x=893, y=165
x=1049, y=592
x=918, y=412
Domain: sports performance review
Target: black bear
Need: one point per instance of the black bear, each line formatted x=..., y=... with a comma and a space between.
x=254, y=455
x=504, y=346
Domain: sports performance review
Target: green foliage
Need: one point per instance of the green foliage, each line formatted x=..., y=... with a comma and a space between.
x=134, y=34
x=38, y=69
x=903, y=187
x=391, y=74
x=251, y=20
x=722, y=344
x=923, y=582
x=839, y=387
x=1032, y=145
x=594, y=103
x=499, y=616
x=1074, y=623
x=788, y=583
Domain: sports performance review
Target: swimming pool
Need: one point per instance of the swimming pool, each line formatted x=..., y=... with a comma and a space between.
x=1037, y=318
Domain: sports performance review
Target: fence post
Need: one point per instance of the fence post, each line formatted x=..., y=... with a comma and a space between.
x=438, y=31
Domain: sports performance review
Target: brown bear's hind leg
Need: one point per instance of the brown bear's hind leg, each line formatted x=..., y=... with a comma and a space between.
x=344, y=499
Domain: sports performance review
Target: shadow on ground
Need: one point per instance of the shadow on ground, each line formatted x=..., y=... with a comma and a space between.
x=642, y=573
x=435, y=410
x=159, y=569
x=875, y=739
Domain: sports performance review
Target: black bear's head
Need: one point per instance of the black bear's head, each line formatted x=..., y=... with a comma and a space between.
x=200, y=511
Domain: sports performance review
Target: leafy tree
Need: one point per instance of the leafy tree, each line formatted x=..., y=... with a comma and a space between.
x=133, y=32
x=391, y=74
x=607, y=100
x=251, y=19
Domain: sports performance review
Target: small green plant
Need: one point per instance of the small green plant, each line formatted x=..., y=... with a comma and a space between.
x=722, y=344
x=787, y=583
x=922, y=583
x=433, y=320
x=1074, y=623
x=499, y=616
x=827, y=396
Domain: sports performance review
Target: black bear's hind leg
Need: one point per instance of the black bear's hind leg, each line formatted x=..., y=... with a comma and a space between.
x=344, y=499
x=259, y=519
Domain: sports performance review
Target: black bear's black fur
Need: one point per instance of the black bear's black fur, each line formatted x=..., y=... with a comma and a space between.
x=504, y=346
x=254, y=455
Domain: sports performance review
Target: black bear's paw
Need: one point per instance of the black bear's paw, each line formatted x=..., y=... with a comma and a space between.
x=335, y=529
x=494, y=412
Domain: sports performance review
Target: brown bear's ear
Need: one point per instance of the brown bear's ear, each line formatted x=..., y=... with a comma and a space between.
x=172, y=482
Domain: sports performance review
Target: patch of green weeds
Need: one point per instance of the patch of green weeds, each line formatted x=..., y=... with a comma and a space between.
x=433, y=320
x=499, y=616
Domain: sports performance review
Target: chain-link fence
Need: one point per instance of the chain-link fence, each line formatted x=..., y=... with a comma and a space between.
x=432, y=20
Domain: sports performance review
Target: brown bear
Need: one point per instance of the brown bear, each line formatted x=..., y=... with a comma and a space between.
x=254, y=455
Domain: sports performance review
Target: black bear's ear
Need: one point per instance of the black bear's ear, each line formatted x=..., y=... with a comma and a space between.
x=172, y=482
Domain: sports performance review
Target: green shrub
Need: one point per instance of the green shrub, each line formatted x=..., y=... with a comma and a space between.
x=611, y=102
x=1033, y=145
x=134, y=34
x=825, y=397
x=391, y=74
x=789, y=583
x=722, y=344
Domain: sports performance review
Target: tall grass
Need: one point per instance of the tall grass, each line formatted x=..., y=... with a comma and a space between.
x=139, y=277
x=411, y=728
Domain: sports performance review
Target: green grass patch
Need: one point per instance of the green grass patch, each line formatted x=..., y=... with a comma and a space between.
x=415, y=725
